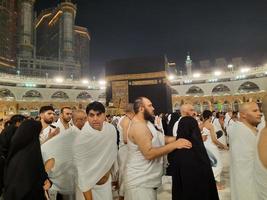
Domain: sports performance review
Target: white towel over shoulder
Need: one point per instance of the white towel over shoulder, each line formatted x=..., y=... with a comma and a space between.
x=94, y=154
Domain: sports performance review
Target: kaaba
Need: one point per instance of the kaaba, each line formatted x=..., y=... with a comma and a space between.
x=135, y=77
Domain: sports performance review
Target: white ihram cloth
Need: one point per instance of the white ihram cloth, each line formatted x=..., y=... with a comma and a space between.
x=45, y=133
x=122, y=157
x=260, y=175
x=262, y=124
x=242, y=152
x=141, y=173
x=210, y=146
x=63, y=173
x=61, y=127
x=94, y=154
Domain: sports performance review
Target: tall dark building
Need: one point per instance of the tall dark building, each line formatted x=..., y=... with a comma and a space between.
x=46, y=45
x=8, y=29
x=81, y=48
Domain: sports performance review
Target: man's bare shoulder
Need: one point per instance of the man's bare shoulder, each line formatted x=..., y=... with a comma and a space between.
x=125, y=120
x=138, y=124
x=138, y=128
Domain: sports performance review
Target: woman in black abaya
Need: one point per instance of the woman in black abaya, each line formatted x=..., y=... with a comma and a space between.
x=25, y=176
x=192, y=175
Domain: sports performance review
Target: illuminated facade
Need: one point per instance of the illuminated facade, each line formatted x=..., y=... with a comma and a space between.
x=8, y=18
x=49, y=45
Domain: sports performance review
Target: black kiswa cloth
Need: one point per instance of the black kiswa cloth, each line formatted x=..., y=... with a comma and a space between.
x=25, y=173
x=192, y=175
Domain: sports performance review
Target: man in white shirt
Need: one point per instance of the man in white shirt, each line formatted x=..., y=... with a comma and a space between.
x=63, y=123
x=186, y=110
x=47, y=117
x=242, y=139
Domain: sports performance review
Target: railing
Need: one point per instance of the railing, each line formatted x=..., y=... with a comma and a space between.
x=231, y=75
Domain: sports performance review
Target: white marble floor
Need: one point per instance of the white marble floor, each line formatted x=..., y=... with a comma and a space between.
x=164, y=192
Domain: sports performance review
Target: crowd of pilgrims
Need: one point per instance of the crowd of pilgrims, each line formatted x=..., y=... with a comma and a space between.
x=85, y=154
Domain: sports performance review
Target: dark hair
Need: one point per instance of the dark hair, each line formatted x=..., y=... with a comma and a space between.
x=46, y=108
x=235, y=113
x=137, y=104
x=95, y=106
x=63, y=108
x=206, y=114
x=17, y=118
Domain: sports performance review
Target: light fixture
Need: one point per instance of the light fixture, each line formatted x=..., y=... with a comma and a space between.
x=59, y=79
x=187, y=81
x=196, y=75
x=85, y=81
x=217, y=73
x=102, y=88
x=102, y=82
x=171, y=77
x=230, y=66
x=244, y=70
x=30, y=85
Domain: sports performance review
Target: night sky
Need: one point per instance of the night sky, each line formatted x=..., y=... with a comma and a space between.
x=208, y=29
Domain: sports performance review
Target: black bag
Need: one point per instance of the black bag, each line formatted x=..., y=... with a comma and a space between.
x=219, y=134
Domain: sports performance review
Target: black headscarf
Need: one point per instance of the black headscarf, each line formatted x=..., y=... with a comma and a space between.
x=191, y=171
x=25, y=173
x=5, y=138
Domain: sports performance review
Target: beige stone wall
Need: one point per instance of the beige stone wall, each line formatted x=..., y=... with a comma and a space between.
x=8, y=108
x=209, y=101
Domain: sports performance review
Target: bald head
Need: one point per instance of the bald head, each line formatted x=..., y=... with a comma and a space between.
x=187, y=110
x=250, y=113
x=79, y=118
x=264, y=107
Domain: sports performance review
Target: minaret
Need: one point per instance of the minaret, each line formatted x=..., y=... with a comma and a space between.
x=188, y=64
x=68, y=17
x=25, y=45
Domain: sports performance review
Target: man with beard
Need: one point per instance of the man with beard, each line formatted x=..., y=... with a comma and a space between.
x=47, y=117
x=146, y=147
x=242, y=138
x=63, y=123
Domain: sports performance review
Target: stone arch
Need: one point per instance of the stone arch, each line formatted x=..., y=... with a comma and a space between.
x=32, y=94
x=174, y=91
x=220, y=89
x=84, y=96
x=59, y=95
x=195, y=90
x=102, y=96
x=248, y=86
x=6, y=94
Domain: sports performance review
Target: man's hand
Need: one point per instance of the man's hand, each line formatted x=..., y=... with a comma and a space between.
x=47, y=184
x=182, y=144
x=53, y=132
